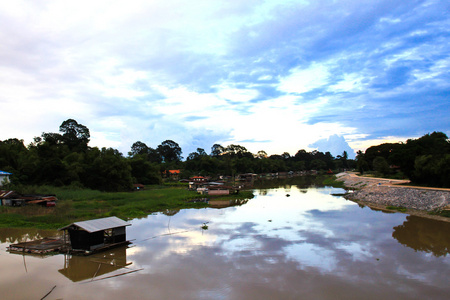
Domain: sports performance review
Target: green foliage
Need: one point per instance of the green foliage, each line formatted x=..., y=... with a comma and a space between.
x=432, y=169
x=425, y=161
x=397, y=208
x=381, y=166
x=361, y=163
x=82, y=204
x=331, y=181
x=170, y=151
x=75, y=136
x=65, y=159
x=442, y=213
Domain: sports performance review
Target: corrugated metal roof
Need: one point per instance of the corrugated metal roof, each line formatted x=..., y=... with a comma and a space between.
x=99, y=224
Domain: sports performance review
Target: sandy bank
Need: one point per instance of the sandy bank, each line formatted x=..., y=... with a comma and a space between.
x=380, y=193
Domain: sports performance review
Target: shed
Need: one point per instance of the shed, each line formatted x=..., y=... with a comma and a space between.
x=96, y=234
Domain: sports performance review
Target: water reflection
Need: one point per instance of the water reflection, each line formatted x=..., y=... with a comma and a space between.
x=217, y=203
x=311, y=245
x=425, y=235
x=18, y=235
x=78, y=268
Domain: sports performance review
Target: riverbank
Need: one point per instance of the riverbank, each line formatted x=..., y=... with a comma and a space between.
x=388, y=194
x=84, y=204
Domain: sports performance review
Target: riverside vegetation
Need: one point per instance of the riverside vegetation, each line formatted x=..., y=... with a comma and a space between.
x=64, y=158
x=82, y=204
x=77, y=204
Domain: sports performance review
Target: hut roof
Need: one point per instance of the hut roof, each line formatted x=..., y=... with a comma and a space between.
x=98, y=224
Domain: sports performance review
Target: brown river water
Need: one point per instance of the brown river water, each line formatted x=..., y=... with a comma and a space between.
x=286, y=243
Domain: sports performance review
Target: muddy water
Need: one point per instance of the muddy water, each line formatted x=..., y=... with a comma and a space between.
x=286, y=243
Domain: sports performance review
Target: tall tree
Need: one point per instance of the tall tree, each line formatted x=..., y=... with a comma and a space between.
x=75, y=135
x=138, y=148
x=170, y=151
x=217, y=150
x=261, y=154
x=361, y=162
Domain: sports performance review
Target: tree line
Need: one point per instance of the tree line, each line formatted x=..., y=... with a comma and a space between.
x=65, y=158
x=424, y=161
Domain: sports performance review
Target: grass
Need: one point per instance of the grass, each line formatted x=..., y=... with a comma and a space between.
x=331, y=181
x=397, y=208
x=442, y=213
x=75, y=204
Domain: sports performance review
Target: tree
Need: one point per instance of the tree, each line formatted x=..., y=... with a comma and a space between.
x=237, y=151
x=144, y=171
x=49, y=138
x=170, y=151
x=109, y=171
x=286, y=155
x=381, y=166
x=217, y=150
x=11, y=151
x=361, y=162
x=75, y=135
x=261, y=154
x=317, y=164
x=344, y=159
x=304, y=156
x=433, y=170
x=201, y=152
x=138, y=148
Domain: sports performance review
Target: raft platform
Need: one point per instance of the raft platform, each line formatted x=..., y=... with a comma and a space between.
x=43, y=246
x=48, y=245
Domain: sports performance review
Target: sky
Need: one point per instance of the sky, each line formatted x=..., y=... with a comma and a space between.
x=276, y=75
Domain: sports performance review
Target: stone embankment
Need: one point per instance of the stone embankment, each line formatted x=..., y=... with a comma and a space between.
x=385, y=192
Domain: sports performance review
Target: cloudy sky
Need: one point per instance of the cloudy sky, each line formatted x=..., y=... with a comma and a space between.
x=275, y=75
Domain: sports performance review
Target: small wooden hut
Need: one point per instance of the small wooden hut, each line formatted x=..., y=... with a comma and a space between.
x=96, y=235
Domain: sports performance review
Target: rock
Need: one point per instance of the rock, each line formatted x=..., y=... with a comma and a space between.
x=388, y=195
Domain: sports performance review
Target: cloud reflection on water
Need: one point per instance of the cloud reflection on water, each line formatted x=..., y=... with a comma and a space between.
x=317, y=234
x=307, y=246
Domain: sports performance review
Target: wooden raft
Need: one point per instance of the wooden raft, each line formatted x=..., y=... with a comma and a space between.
x=42, y=246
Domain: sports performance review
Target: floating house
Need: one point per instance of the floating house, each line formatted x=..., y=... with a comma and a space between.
x=86, y=237
x=96, y=235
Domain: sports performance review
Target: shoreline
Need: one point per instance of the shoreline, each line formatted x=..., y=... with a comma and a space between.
x=381, y=193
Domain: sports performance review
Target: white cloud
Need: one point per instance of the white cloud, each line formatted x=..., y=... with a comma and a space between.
x=181, y=102
x=238, y=95
x=304, y=80
x=156, y=70
x=350, y=83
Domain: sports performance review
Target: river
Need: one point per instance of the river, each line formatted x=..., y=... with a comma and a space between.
x=285, y=243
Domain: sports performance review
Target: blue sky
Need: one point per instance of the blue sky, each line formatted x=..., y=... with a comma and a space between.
x=277, y=76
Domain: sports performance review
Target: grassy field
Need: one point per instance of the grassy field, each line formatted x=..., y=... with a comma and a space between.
x=84, y=204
